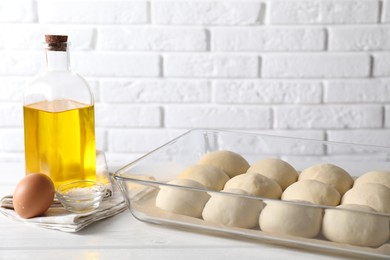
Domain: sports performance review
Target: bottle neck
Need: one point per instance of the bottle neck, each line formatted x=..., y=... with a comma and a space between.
x=57, y=59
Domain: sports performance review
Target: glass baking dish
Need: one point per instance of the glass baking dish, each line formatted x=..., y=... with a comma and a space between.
x=141, y=181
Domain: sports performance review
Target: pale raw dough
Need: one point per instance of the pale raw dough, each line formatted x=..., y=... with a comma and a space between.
x=290, y=219
x=381, y=177
x=256, y=185
x=211, y=177
x=312, y=191
x=374, y=195
x=232, y=210
x=355, y=228
x=180, y=200
x=231, y=163
x=278, y=170
x=328, y=174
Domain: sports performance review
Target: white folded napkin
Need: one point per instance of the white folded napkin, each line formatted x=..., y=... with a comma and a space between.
x=56, y=217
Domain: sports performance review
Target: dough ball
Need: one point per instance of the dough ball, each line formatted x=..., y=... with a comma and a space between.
x=255, y=184
x=381, y=177
x=355, y=228
x=182, y=201
x=290, y=219
x=328, y=174
x=312, y=191
x=231, y=163
x=211, y=177
x=278, y=170
x=231, y=210
x=374, y=195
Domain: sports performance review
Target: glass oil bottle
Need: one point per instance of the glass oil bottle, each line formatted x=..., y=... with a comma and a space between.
x=59, y=128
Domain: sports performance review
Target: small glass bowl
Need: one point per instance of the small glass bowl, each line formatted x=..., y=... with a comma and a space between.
x=81, y=196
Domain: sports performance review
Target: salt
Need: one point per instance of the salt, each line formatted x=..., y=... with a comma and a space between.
x=80, y=192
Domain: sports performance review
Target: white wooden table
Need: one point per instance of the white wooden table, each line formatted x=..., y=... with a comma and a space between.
x=124, y=237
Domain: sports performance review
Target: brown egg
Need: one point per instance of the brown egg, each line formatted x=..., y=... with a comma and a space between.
x=33, y=195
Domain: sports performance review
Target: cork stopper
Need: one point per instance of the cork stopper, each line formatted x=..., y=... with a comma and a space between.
x=56, y=42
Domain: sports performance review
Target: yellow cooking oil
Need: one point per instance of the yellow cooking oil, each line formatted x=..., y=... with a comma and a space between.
x=60, y=140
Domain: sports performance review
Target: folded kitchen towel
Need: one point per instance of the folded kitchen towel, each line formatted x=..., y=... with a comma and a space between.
x=56, y=217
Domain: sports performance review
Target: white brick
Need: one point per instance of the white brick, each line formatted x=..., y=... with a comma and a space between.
x=363, y=38
x=317, y=117
x=11, y=89
x=13, y=157
x=101, y=139
x=32, y=36
x=256, y=147
x=164, y=91
x=145, y=140
x=119, y=160
x=322, y=11
x=21, y=63
x=206, y=65
x=20, y=11
x=21, y=37
x=357, y=91
x=267, y=39
x=381, y=64
x=153, y=39
x=122, y=115
x=11, y=140
x=93, y=12
x=380, y=137
x=116, y=64
x=11, y=114
x=386, y=11
x=207, y=12
x=94, y=86
x=387, y=116
x=315, y=65
x=239, y=117
x=267, y=91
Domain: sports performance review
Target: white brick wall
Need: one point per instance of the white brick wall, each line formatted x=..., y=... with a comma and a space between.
x=22, y=11
x=314, y=65
x=353, y=38
x=20, y=63
x=153, y=39
x=387, y=116
x=237, y=117
x=267, y=91
x=11, y=114
x=127, y=115
x=381, y=64
x=373, y=137
x=211, y=65
x=358, y=91
x=117, y=64
x=386, y=11
x=207, y=12
x=334, y=116
x=159, y=91
x=267, y=39
x=309, y=68
x=323, y=11
x=93, y=12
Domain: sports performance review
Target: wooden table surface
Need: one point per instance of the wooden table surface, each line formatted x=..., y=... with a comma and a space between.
x=124, y=237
